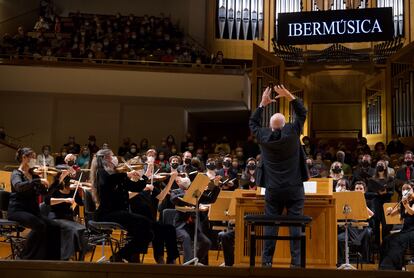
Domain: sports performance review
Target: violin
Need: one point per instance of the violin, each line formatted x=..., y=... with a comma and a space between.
x=182, y=175
x=123, y=168
x=405, y=198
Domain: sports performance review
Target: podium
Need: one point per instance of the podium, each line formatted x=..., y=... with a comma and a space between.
x=321, y=238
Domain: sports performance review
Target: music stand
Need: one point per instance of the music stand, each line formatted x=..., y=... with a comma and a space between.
x=350, y=206
x=219, y=209
x=192, y=196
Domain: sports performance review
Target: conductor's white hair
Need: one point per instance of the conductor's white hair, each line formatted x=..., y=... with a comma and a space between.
x=277, y=121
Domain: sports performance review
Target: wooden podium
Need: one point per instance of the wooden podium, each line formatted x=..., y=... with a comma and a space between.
x=321, y=241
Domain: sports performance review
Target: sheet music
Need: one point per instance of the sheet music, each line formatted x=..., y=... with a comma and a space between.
x=310, y=187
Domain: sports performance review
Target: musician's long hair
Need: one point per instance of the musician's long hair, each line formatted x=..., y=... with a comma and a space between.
x=98, y=162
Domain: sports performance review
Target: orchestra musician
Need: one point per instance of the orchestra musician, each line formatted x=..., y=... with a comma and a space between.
x=62, y=200
x=145, y=203
x=394, y=245
x=43, y=241
x=111, y=191
x=185, y=221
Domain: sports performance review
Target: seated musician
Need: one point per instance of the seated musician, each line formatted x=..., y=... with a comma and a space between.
x=62, y=201
x=43, y=241
x=174, y=162
x=361, y=237
x=111, y=191
x=394, y=245
x=342, y=185
x=145, y=203
x=185, y=221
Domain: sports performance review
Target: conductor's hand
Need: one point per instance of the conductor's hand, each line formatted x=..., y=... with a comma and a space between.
x=266, y=99
x=283, y=92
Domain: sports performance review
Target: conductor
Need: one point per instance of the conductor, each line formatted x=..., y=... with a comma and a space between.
x=282, y=168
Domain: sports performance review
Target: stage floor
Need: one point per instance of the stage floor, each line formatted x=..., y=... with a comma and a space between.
x=215, y=258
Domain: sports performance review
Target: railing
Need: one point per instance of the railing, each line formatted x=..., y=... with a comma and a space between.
x=29, y=60
x=14, y=142
x=19, y=16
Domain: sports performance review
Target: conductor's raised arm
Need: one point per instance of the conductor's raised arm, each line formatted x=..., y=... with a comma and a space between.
x=297, y=105
x=255, y=122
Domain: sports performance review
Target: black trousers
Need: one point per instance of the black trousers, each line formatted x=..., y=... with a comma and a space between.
x=165, y=236
x=43, y=242
x=275, y=202
x=139, y=230
x=227, y=241
x=379, y=219
x=393, y=248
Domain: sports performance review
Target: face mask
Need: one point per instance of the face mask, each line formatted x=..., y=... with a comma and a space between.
x=150, y=159
x=339, y=189
x=365, y=163
x=32, y=163
x=227, y=163
x=337, y=170
x=187, y=161
x=251, y=166
x=309, y=165
x=71, y=162
x=114, y=161
x=380, y=168
x=409, y=162
x=174, y=165
x=211, y=166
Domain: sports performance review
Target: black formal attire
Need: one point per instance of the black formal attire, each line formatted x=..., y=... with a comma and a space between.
x=376, y=202
x=73, y=238
x=185, y=224
x=282, y=170
x=43, y=241
x=113, y=191
x=394, y=245
x=146, y=204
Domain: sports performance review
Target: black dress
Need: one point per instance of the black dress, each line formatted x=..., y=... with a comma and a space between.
x=394, y=245
x=73, y=237
x=43, y=242
x=377, y=202
x=146, y=204
x=114, y=207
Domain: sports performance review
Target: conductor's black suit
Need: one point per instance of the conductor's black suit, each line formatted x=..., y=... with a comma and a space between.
x=282, y=170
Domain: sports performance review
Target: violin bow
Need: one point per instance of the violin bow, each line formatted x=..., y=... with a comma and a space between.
x=76, y=191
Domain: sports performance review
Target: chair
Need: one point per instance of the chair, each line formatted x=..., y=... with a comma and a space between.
x=280, y=221
x=101, y=233
x=168, y=218
x=10, y=230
